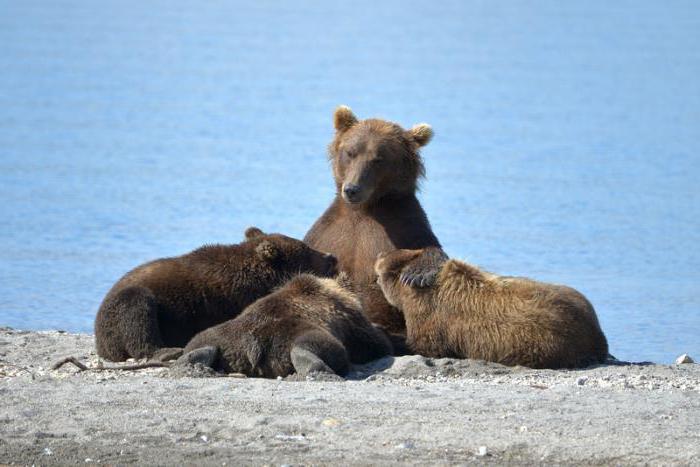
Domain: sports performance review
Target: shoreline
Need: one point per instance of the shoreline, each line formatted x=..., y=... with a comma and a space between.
x=410, y=410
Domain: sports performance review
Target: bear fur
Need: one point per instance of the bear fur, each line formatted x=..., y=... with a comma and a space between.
x=377, y=167
x=309, y=324
x=470, y=313
x=165, y=302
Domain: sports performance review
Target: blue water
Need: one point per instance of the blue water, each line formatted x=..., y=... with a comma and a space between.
x=567, y=142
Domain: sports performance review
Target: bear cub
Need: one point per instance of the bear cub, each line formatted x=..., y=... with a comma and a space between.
x=310, y=324
x=470, y=313
x=165, y=302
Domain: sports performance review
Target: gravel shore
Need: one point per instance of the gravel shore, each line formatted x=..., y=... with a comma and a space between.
x=411, y=410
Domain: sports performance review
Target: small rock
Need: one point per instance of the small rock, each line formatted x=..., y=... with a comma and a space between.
x=279, y=378
x=523, y=429
x=285, y=437
x=482, y=451
x=582, y=380
x=204, y=438
x=87, y=459
x=685, y=358
x=47, y=451
x=331, y=422
x=406, y=445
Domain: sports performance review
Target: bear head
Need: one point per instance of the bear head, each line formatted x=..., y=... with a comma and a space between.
x=287, y=255
x=373, y=158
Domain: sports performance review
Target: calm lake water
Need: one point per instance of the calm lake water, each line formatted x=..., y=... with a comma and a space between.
x=567, y=142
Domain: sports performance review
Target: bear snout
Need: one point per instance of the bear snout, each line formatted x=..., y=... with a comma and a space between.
x=331, y=264
x=351, y=192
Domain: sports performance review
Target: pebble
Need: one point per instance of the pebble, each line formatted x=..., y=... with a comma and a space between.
x=482, y=451
x=406, y=445
x=685, y=358
x=204, y=438
x=331, y=422
x=582, y=380
x=284, y=437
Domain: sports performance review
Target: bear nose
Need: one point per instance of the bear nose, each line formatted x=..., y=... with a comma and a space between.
x=332, y=263
x=351, y=190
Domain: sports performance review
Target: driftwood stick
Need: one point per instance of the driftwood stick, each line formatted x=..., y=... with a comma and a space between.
x=82, y=367
x=72, y=360
x=136, y=366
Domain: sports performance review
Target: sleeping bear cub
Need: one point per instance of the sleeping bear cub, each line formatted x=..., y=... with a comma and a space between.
x=470, y=313
x=310, y=324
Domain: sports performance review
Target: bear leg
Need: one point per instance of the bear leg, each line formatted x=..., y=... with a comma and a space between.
x=127, y=325
x=319, y=351
x=423, y=271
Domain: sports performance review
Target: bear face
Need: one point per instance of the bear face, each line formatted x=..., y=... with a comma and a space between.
x=288, y=254
x=388, y=268
x=372, y=158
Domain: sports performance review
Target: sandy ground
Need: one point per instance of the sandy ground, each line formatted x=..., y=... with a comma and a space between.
x=405, y=410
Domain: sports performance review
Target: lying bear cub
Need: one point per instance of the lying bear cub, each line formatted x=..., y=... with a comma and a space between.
x=470, y=313
x=165, y=302
x=310, y=324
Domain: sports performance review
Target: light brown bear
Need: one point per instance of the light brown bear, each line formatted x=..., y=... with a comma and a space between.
x=162, y=304
x=377, y=167
x=309, y=324
x=470, y=313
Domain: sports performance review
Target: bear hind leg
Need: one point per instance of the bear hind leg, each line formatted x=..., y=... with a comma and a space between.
x=127, y=325
x=319, y=351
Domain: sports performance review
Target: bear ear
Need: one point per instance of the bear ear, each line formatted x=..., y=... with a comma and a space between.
x=253, y=232
x=267, y=251
x=343, y=118
x=421, y=134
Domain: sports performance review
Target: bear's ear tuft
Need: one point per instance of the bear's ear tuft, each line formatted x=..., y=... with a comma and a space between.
x=253, y=232
x=267, y=251
x=343, y=118
x=343, y=279
x=421, y=134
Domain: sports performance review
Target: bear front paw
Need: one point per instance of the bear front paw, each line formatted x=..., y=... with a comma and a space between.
x=419, y=277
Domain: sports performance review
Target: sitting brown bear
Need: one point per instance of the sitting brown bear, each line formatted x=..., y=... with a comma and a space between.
x=376, y=168
x=167, y=301
x=310, y=324
x=470, y=313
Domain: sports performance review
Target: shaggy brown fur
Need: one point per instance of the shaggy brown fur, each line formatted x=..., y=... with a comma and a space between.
x=376, y=166
x=167, y=301
x=310, y=324
x=471, y=313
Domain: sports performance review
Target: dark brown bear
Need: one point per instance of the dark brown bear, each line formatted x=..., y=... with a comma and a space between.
x=470, y=313
x=309, y=324
x=376, y=166
x=167, y=301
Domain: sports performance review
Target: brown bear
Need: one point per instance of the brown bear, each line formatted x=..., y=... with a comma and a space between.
x=470, y=313
x=377, y=166
x=164, y=303
x=309, y=324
